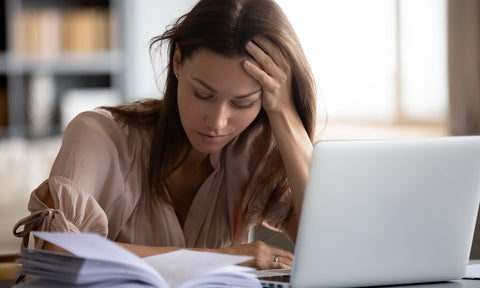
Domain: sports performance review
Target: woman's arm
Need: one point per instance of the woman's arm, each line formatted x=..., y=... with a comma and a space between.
x=263, y=254
x=296, y=150
x=272, y=70
x=145, y=251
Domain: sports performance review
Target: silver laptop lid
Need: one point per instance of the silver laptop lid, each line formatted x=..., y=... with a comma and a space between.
x=380, y=212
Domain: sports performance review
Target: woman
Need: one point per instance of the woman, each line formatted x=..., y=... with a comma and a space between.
x=228, y=147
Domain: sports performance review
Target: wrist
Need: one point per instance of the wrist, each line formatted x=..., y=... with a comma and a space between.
x=285, y=117
x=282, y=111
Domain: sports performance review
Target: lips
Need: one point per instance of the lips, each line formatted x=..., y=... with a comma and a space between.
x=212, y=138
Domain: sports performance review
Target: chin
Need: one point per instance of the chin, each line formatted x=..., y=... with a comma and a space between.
x=208, y=148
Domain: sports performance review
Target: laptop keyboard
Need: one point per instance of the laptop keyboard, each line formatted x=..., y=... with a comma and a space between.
x=283, y=278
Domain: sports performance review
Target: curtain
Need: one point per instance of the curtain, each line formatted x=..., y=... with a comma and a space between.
x=464, y=66
x=464, y=77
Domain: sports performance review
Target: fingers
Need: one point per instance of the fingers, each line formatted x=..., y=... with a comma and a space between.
x=282, y=259
x=267, y=54
x=259, y=74
x=265, y=256
x=264, y=68
x=271, y=69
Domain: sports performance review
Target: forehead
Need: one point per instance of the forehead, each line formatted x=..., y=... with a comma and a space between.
x=224, y=74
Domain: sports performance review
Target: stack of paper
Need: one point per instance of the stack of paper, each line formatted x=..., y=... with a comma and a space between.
x=473, y=272
x=98, y=262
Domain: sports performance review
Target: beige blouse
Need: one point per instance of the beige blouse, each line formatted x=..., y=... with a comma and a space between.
x=99, y=184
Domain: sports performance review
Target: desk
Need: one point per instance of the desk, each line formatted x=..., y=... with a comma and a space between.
x=7, y=283
x=8, y=273
x=454, y=284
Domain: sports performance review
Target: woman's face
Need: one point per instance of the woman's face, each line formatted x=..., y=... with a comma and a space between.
x=217, y=99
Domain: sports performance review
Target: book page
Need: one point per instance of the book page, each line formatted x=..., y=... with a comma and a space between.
x=96, y=247
x=104, y=262
x=179, y=266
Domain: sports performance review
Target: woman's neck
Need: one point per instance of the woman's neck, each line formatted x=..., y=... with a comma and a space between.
x=196, y=168
x=196, y=160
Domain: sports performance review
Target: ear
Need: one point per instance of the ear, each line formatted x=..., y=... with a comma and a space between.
x=177, y=59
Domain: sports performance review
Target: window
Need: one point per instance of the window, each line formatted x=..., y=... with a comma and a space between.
x=376, y=60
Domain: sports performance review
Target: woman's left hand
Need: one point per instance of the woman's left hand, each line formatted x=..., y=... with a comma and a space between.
x=272, y=70
x=264, y=256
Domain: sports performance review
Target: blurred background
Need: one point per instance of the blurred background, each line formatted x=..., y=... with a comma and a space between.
x=384, y=69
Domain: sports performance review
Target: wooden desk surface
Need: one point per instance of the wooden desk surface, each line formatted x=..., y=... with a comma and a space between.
x=8, y=275
x=9, y=270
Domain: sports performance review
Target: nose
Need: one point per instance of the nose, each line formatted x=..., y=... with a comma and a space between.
x=218, y=117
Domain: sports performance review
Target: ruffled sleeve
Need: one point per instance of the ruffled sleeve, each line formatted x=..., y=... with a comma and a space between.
x=86, y=179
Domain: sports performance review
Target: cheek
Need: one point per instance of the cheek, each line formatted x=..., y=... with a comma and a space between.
x=246, y=118
x=185, y=108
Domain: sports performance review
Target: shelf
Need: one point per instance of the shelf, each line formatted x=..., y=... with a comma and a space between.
x=97, y=63
x=51, y=47
x=23, y=132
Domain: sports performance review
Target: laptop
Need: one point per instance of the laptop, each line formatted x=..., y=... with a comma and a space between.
x=387, y=212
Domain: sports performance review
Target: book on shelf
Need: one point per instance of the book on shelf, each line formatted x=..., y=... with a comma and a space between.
x=98, y=262
x=51, y=33
x=86, y=30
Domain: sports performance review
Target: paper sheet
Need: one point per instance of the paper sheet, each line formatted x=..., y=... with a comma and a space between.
x=176, y=268
x=93, y=246
x=473, y=271
x=179, y=266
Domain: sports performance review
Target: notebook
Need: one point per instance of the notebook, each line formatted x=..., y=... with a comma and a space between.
x=387, y=212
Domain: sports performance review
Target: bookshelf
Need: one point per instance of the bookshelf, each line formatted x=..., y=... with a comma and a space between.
x=50, y=47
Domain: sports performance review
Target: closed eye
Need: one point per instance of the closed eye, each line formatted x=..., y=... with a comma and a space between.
x=244, y=104
x=197, y=95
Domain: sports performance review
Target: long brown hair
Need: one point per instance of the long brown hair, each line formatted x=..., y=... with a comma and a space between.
x=224, y=27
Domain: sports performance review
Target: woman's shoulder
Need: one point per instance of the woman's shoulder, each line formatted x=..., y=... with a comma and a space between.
x=118, y=119
x=92, y=118
x=94, y=146
x=95, y=122
x=98, y=132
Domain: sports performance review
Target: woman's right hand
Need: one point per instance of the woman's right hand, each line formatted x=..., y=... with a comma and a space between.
x=264, y=255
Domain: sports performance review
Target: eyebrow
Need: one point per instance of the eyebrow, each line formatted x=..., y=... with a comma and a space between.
x=215, y=92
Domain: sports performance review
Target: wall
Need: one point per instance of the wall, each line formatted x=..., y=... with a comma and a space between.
x=24, y=164
x=149, y=18
x=23, y=167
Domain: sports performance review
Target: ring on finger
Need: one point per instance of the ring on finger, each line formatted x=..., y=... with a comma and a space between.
x=275, y=259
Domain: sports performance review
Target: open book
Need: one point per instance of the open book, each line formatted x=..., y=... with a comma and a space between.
x=99, y=262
